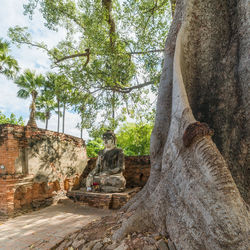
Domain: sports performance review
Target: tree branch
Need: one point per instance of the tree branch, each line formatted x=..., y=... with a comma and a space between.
x=107, y=4
x=36, y=45
x=87, y=53
x=146, y=52
x=128, y=89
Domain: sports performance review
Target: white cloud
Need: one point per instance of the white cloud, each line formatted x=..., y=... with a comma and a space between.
x=11, y=14
x=9, y=102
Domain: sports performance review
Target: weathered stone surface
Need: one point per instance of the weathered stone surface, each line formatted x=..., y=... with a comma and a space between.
x=137, y=170
x=162, y=245
x=171, y=245
x=112, y=246
x=136, y=173
x=89, y=245
x=77, y=244
x=97, y=246
x=123, y=246
x=108, y=172
x=111, y=183
x=102, y=200
x=35, y=164
x=106, y=240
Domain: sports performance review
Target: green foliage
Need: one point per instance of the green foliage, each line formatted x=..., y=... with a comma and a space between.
x=11, y=120
x=45, y=104
x=8, y=65
x=94, y=146
x=29, y=83
x=134, y=139
x=85, y=105
x=112, y=49
x=96, y=132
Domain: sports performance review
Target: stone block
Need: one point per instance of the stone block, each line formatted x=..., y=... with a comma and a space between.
x=162, y=245
x=102, y=200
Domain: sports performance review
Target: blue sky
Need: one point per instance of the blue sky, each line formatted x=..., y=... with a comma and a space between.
x=11, y=14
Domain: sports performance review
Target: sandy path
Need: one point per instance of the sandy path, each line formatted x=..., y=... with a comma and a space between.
x=44, y=228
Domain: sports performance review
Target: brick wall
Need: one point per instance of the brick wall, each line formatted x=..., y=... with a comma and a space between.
x=137, y=170
x=35, y=164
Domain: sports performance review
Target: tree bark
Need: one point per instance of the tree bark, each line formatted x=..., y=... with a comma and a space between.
x=191, y=195
x=32, y=119
x=107, y=4
x=47, y=119
x=81, y=133
x=58, y=117
x=113, y=109
x=64, y=108
x=173, y=4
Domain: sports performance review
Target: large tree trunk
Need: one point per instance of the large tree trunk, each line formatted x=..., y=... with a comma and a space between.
x=191, y=195
x=32, y=119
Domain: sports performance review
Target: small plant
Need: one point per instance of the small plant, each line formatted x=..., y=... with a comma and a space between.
x=11, y=120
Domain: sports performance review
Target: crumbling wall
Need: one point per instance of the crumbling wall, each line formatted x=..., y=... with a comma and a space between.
x=137, y=170
x=35, y=164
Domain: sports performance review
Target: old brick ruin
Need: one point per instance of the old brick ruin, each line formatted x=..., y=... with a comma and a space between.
x=35, y=164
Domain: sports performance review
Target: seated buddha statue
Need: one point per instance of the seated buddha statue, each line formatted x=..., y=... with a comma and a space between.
x=108, y=172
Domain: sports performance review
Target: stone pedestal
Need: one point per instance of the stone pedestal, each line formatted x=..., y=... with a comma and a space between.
x=102, y=200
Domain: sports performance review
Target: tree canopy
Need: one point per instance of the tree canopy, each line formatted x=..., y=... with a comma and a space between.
x=111, y=51
x=8, y=65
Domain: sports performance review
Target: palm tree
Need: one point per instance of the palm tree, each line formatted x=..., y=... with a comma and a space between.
x=8, y=65
x=45, y=103
x=61, y=88
x=29, y=84
x=85, y=105
x=66, y=92
x=54, y=81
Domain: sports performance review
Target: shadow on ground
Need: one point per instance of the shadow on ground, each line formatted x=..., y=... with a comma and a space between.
x=44, y=228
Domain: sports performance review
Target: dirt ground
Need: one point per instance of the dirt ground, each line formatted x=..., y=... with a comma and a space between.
x=97, y=235
x=72, y=226
x=45, y=228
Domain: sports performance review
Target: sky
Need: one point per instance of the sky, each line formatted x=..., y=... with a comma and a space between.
x=11, y=14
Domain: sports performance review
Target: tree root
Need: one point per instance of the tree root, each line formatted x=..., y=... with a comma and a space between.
x=138, y=222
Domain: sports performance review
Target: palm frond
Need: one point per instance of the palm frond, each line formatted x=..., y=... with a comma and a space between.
x=23, y=93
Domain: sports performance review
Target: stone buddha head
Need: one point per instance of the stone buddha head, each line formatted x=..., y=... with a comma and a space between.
x=109, y=140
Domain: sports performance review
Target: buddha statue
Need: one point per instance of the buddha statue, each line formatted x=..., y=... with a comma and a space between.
x=108, y=172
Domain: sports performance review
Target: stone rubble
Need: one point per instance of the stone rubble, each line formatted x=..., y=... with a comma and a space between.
x=97, y=236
